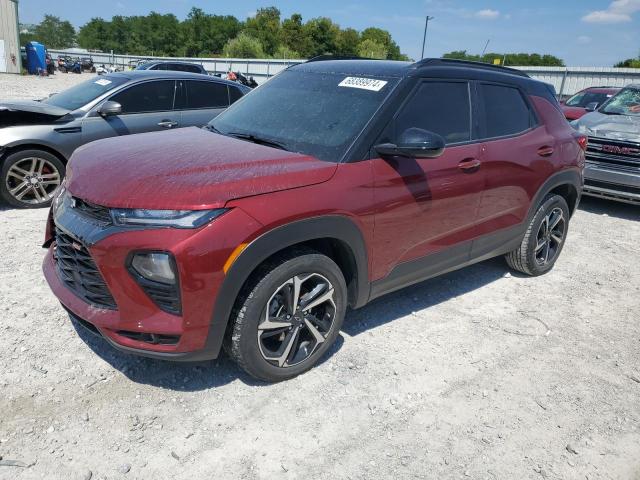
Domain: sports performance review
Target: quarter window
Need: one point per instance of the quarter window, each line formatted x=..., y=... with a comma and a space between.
x=147, y=97
x=505, y=111
x=207, y=95
x=440, y=107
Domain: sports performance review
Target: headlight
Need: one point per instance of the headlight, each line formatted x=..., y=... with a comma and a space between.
x=165, y=218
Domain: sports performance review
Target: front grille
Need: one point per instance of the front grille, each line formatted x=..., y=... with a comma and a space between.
x=93, y=211
x=612, y=186
x=79, y=273
x=165, y=296
x=618, y=154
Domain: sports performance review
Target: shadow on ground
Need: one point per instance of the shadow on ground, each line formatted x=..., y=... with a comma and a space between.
x=204, y=375
x=600, y=206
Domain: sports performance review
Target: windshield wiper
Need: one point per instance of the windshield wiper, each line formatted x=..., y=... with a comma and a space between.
x=211, y=128
x=258, y=140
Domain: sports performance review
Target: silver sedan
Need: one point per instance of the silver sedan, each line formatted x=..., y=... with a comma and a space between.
x=38, y=137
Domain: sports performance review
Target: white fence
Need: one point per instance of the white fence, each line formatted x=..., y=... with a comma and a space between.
x=566, y=80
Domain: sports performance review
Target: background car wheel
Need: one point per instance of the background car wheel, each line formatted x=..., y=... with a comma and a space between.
x=288, y=317
x=29, y=178
x=544, y=239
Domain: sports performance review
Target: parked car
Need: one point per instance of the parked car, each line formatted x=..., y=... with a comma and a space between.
x=258, y=232
x=87, y=64
x=613, y=157
x=586, y=100
x=175, y=66
x=37, y=138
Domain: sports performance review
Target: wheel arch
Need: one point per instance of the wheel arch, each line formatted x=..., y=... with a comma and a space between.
x=336, y=236
x=567, y=183
x=17, y=147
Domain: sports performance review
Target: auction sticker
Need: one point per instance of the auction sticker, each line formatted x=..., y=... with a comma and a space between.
x=104, y=82
x=363, y=83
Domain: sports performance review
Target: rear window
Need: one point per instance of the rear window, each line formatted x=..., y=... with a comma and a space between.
x=505, y=111
x=207, y=95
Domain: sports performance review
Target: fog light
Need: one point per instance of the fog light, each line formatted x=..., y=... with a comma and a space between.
x=157, y=267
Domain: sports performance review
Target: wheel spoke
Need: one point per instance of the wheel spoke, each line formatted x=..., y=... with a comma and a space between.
x=556, y=220
x=20, y=191
x=50, y=176
x=325, y=297
x=289, y=340
x=37, y=194
x=556, y=238
x=22, y=171
x=541, y=243
x=314, y=331
x=43, y=192
x=271, y=323
x=34, y=165
x=13, y=174
x=546, y=252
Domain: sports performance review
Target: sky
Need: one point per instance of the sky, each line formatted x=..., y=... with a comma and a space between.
x=581, y=32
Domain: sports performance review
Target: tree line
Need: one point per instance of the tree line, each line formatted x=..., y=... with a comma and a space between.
x=519, y=59
x=201, y=34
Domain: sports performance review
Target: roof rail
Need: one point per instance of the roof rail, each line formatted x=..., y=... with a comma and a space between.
x=322, y=58
x=480, y=65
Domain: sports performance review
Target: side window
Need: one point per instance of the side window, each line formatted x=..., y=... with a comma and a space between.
x=440, y=107
x=234, y=94
x=147, y=97
x=505, y=111
x=206, y=94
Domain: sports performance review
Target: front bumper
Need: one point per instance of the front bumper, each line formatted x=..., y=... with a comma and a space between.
x=199, y=254
x=601, y=180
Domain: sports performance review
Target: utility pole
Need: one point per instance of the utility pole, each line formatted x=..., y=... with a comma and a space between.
x=424, y=38
x=485, y=48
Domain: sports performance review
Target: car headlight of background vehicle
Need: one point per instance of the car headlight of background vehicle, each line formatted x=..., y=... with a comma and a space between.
x=165, y=218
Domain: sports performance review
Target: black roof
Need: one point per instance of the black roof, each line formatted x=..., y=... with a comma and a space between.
x=167, y=74
x=391, y=68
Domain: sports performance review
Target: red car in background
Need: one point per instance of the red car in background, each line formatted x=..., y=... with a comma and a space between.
x=586, y=100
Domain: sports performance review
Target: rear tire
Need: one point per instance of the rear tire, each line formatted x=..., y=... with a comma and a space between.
x=28, y=178
x=544, y=238
x=273, y=336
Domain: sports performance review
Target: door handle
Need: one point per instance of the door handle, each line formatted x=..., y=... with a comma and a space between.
x=469, y=165
x=167, y=124
x=545, y=151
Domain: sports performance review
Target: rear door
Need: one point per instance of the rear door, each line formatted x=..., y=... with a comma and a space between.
x=146, y=107
x=517, y=155
x=202, y=101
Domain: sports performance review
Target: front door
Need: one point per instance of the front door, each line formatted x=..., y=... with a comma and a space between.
x=427, y=208
x=146, y=107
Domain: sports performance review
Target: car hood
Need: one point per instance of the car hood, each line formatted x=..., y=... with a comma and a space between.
x=573, y=112
x=188, y=168
x=615, y=127
x=28, y=112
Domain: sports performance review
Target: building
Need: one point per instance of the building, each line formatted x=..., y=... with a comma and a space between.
x=9, y=37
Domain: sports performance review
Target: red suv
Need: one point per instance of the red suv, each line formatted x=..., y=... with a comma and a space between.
x=334, y=183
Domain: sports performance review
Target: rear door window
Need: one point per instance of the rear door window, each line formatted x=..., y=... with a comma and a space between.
x=157, y=96
x=505, y=111
x=440, y=107
x=234, y=94
x=206, y=94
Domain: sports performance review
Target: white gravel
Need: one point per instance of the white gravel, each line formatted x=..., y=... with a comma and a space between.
x=478, y=374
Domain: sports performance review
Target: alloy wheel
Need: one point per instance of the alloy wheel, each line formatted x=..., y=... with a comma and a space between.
x=33, y=180
x=550, y=236
x=297, y=320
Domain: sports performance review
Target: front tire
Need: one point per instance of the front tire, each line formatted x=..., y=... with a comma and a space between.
x=288, y=316
x=544, y=238
x=28, y=178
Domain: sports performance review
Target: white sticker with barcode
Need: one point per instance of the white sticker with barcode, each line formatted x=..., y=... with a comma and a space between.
x=363, y=83
x=103, y=81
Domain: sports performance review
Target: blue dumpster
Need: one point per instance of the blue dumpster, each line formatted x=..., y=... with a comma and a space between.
x=35, y=57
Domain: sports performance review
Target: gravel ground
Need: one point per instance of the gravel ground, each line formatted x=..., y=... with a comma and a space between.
x=478, y=374
x=34, y=87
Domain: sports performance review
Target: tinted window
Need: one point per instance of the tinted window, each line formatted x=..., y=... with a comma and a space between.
x=318, y=114
x=147, y=97
x=78, y=96
x=180, y=67
x=440, y=107
x=585, y=98
x=505, y=111
x=234, y=94
x=207, y=95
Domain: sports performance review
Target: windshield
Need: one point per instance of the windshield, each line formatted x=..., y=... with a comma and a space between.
x=583, y=99
x=78, y=96
x=626, y=102
x=318, y=114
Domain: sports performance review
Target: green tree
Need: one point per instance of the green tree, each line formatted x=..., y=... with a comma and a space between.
x=284, y=52
x=323, y=35
x=371, y=49
x=244, y=46
x=294, y=36
x=94, y=34
x=517, y=59
x=265, y=26
x=347, y=42
x=55, y=33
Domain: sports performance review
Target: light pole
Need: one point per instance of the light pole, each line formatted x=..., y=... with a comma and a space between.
x=424, y=38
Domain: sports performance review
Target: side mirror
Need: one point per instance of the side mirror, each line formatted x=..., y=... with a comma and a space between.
x=109, y=108
x=413, y=143
x=591, y=107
